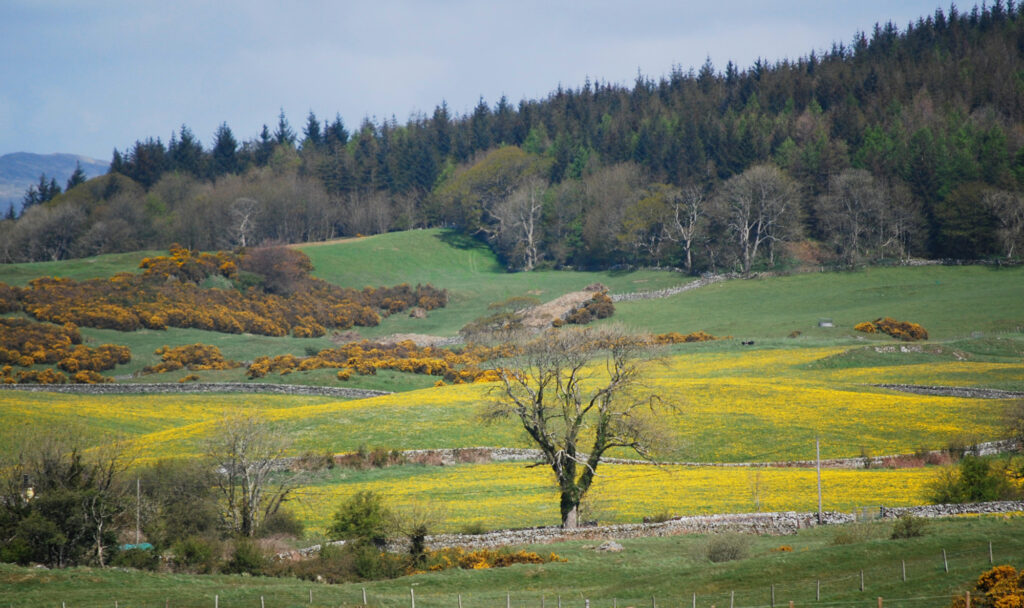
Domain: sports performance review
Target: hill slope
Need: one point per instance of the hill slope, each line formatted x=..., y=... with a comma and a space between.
x=20, y=170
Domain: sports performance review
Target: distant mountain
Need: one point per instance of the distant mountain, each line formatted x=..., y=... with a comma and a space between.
x=20, y=170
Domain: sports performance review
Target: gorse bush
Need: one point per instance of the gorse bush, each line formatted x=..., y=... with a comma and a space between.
x=600, y=306
x=365, y=358
x=168, y=294
x=25, y=343
x=194, y=357
x=999, y=587
x=902, y=330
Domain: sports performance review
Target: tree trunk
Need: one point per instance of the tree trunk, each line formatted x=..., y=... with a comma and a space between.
x=570, y=510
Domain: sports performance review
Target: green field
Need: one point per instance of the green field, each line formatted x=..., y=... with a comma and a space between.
x=668, y=569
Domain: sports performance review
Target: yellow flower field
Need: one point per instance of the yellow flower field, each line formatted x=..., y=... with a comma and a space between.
x=757, y=405
x=502, y=495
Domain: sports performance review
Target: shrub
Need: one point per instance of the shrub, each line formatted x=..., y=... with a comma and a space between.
x=139, y=559
x=908, y=526
x=973, y=480
x=281, y=522
x=246, y=558
x=363, y=517
x=726, y=547
x=999, y=587
x=860, y=532
x=195, y=554
x=600, y=306
x=902, y=330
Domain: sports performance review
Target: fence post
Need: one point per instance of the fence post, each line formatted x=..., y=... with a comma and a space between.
x=508, y=600
x=990, y=562
x=694, y=600
x=732, y=598
x=261, y=602
x=412, y=597
x=559, y=601
x=968, y=598
x=880, y=602
x=862, y=580
x=216, y=601
x=945, y=562
x=904, y=569
x=773, y=595
x=654, y=604
x=460, y=601
x=817, y=591
x=311, y=596
x=364, y=598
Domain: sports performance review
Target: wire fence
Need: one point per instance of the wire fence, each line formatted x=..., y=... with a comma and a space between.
x=919, y=580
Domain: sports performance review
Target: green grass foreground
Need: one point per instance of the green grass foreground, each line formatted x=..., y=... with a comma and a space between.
x=668, y=569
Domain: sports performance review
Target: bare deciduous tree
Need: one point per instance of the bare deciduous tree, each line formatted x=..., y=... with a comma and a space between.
x=247, y=451
x=243, y=211
x=688, y=210
x=517, y=221
x=1008, y=210
x=760, y=206
x=579, y=386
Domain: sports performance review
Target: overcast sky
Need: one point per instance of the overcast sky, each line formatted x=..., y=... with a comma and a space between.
x=85, y=76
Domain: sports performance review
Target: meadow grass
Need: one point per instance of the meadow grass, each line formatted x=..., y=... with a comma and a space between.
x=949, y=301
x=465, y=267
x=79, y=269
x=670, y=569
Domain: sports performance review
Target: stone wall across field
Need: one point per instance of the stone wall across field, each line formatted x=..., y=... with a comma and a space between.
x=1005, y=506
x=196, y=387
x=775, y=524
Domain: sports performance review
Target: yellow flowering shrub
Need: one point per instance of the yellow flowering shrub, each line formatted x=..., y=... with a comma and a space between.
x=195, y=357
x=902, y=330
x=1000, y=587
x=482, y=559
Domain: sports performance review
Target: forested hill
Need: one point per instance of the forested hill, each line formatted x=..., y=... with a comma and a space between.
x=906, y=142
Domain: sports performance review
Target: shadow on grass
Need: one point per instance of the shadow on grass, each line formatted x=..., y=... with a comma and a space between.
x=456, y=239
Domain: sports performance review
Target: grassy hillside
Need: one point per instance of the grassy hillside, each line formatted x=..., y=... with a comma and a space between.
x=949, y=301
x=465, y=267
x=670, y=569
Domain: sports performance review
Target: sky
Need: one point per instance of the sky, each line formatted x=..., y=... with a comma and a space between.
x=86, y=76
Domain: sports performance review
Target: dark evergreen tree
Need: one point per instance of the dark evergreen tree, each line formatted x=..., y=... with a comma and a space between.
x=77, y=177
x=311, y=135
x=335, y=135
x=284, y=135
x=185, y=153
x=224, y=156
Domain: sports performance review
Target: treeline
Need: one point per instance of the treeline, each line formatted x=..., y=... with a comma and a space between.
x=906, y=142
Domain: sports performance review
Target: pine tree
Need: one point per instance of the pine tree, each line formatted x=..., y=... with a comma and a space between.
x=78, y=177
x=224, y=156
x=284, y=134
x=311, y=132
